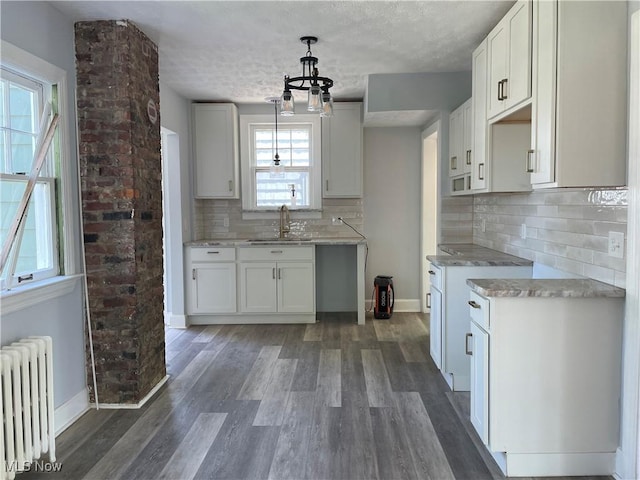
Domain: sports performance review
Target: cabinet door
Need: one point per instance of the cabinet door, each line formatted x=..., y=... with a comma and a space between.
x=479, y=344
x=456, y=162
x=342, y=151
x=258, y=287
x=497, y=46
x=467, y=135
x=435, y=327
x=518, y=85
x=213, y=289
x=296, y=287
x=479, y=135
x=215, y=141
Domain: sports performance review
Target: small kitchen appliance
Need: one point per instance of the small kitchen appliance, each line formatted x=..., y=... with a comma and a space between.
x=384, y=297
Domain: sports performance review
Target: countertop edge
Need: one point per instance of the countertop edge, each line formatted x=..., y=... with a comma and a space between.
x=240, y=242
x=546, y=288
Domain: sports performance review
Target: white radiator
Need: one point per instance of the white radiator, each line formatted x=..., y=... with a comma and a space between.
x=26, y=404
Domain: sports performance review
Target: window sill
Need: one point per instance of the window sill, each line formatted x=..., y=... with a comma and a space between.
x=37, y=292
x=275, y=214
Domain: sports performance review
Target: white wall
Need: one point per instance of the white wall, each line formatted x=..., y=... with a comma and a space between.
x=41, y=30
x=392, y=210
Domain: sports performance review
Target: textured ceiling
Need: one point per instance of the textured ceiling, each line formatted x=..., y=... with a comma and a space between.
x=239, y=51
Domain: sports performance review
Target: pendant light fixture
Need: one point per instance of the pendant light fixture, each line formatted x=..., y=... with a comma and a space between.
x=275, y=169
x=318, y=98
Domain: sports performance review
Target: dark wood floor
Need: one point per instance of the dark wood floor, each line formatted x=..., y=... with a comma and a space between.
x=332, y=400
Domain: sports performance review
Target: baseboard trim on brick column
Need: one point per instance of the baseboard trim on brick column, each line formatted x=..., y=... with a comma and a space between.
x=132, y=406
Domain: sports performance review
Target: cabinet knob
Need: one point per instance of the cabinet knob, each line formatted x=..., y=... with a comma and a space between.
x=431, y=272
x=473, y=304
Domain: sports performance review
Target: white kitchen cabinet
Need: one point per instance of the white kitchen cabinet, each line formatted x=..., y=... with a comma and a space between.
x=578, y=115
x=342, y=151
x=467, y=135
x=460, y=139
x=546, y=381
x=449, y=282
x=212, y=287
x=509, y=49
x=435, y=319
x=479, y=111
x=215, y=146
x=277, y=280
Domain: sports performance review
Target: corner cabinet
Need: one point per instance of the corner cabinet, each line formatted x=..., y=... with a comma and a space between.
x=509, y=47
x=342, y=152
x=578, y=131
x=215, y=147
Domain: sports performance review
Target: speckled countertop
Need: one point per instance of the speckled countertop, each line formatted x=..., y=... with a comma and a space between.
x=469, y=255
x=551, y=287
x=241, y=242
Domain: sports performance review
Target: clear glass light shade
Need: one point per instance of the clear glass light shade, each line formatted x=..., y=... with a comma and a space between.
x=276, y=170
x=286, y=104
x=327, y=105
x=315, y=102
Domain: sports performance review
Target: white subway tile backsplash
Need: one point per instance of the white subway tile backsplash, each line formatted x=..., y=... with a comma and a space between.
x=566, y=229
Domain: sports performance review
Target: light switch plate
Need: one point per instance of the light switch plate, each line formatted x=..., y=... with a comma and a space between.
x=336, y=221
x=616, y=244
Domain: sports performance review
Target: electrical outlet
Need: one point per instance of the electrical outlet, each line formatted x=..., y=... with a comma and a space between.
x=523, y=231
x=336, y=221
x=616, y=244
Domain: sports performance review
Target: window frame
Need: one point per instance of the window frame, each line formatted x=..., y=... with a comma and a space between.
x=65, y=196
x=248, y=168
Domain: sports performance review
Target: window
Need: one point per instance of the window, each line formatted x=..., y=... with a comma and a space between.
x=34, y=252
x=298, y=185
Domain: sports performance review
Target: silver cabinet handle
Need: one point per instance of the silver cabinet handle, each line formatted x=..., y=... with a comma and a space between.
x=466, y=343
x=193, y=273
x=431, y=272
x=326, y=185
x=504, y=84
x=468, y=182
x=481, y=171
x=276, y=251
x=273, y=273
x=454, y=163
x=473, y=304
x=500, y=91
x=213, y=252
x=428, y=300
x=231, y=185
x=279, y=274
x=529, y=161
x=468, y=157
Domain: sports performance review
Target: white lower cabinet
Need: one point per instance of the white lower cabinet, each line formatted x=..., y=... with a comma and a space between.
x=212, y=288
x=435, y=326
x=277, y=280
x=546, y=382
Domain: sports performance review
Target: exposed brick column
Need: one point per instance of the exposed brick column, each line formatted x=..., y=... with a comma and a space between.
x=120, y=164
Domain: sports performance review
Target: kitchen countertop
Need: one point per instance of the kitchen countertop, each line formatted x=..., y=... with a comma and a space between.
x=549, y=287
x=243, y=242
x=469, y=255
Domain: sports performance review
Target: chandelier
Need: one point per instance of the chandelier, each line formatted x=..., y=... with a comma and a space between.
x=319, y=98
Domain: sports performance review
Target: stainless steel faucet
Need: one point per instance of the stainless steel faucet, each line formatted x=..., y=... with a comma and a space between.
x=285, y=221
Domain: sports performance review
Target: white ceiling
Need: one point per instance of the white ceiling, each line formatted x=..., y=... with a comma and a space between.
x=238, y=51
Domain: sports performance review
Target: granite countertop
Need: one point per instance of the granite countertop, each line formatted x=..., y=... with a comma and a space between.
x=551, y=287
x=469, y=255
x=243, y=242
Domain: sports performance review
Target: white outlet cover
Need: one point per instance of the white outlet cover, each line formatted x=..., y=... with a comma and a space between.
x=616, y=244
x=523, y=231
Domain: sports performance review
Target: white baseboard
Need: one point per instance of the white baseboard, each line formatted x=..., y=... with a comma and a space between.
x=177, y=321
x=67, y=413
x=400, y=305
x=131, y=406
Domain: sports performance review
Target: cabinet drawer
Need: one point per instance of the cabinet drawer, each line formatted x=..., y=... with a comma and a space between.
x=435, y=274
x=213, y=254
x=275, y=252
x=479, y=310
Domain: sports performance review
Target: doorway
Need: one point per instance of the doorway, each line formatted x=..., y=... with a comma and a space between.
x=430, y=197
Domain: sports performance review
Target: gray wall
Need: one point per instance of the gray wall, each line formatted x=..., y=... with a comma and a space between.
x=392, y=207
x=43, y=31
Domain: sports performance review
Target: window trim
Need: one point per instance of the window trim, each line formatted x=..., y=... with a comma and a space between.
x=246, y=150
x=67, y=197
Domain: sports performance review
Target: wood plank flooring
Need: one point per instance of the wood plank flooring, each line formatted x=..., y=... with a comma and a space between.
x=331, y=400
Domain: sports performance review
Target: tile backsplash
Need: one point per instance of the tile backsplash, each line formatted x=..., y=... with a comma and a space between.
x=223, y=219
x=456, y=216
x=565, y=229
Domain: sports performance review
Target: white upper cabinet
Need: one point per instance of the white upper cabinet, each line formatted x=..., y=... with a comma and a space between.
x=509, y=46
x=215, y=146
x=456, y=133
x=461, y=148
x=578, y=132
x=342, y=151
x=479, y=112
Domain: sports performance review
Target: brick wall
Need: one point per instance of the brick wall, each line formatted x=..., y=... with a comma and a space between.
x=120, y=163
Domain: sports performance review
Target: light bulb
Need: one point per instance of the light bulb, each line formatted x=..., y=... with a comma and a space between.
x=327, y=105
x=286, y=104
x=315, y=102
